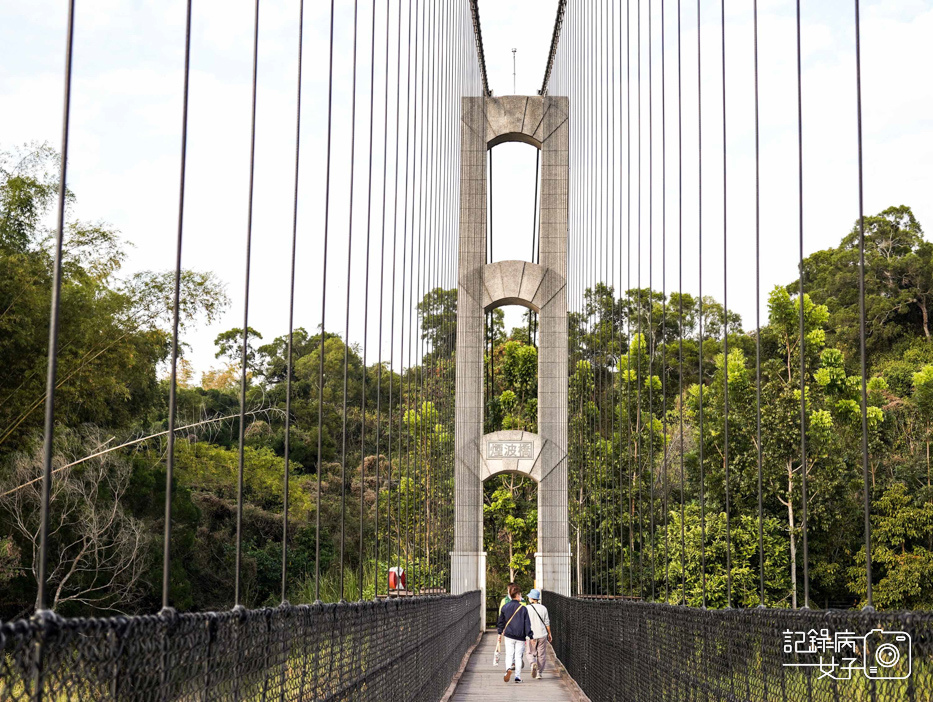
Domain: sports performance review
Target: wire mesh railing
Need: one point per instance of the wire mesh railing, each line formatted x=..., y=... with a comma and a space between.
x=622, y=650
x=400, y=649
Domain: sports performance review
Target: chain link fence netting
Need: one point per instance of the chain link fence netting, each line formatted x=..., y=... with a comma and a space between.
x=399, y=649
x=618, y=650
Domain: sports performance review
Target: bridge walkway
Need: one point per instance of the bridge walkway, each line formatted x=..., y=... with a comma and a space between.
x=481, y=681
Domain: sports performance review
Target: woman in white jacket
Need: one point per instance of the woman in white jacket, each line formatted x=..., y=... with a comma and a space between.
x=540, y=633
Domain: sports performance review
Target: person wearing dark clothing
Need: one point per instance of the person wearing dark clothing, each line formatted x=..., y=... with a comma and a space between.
x=506, y=598
x=515, y=625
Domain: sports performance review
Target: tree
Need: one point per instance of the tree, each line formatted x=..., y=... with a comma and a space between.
x=511, y=521
x=898, y=281
x=746, y=590
x=438, y=314
x=902, y=552
x=114, y=332
x=428, y=446
x=97, y=552
x=28, y=187
x=923, y=398
x=519, y=375
x=230, y=347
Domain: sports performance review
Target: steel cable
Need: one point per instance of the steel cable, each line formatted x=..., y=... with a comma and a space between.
x=369, y=210
x=176, y=304
x=700, y=382
x=761, y=536
x=346, y=333
x=803, y=342
x=680, y=301
x=382, y=261
x=320, y=381
x=725, y=317
x=54, y=324
x=291, y=311
x=244, y=359
x=861, y=302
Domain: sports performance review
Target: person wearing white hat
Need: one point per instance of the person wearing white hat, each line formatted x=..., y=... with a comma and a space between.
x=540, y=633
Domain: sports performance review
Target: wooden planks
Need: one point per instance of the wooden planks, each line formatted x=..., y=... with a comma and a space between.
x=483, y=681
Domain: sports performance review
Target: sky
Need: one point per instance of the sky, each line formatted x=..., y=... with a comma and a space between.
x=126, y=120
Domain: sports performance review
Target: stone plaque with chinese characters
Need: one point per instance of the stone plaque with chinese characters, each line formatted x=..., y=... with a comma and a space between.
x=509, y=449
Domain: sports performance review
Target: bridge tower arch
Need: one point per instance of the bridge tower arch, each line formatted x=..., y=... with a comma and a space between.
x=543, y=122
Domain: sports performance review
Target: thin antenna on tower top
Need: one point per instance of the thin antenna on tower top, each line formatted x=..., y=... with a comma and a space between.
x=514, y=90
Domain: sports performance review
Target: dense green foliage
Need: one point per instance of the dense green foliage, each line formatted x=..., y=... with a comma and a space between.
x=637, y=399
x=107, y=512
x=631, y=392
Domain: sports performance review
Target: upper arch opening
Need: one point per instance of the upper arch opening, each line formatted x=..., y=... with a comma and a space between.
x=512, y=200
x=508, y=137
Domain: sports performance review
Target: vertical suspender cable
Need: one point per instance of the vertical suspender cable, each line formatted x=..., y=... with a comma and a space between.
x=680, y=302
x=291, y=308
x=408, y=129
x=628, y=285
x=245, y=346
x=761, y=532
x=346, y=332
x=587, y=271
x=535, y=243
x=489, y=315
x=592, y=140
x=589, y=276
x=429, y=281
x=492, y=318
x=176, y=304
x=369, y=212
x=612, y=370
x=607, y=398
x=700, y=301
x=725, y=318
x=320, y=380
x=414, y=275
x=49, y=428
x=398, y=103
x=664, y=373
x=382, y=271
x=861, y=304
x=427, y=284
x=584, y=260
x=803, y=362
x=420, y=458
x=651, y=334
x=623, y=491
x=641, y=340
x=604, y=396
x=417, y=222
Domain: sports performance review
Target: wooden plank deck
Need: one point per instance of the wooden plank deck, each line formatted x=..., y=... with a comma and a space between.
x=481, y=680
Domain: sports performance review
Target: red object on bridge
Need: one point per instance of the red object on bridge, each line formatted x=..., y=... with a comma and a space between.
x=396, y=578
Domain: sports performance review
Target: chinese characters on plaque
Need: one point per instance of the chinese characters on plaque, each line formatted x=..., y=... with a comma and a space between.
x=509, y=449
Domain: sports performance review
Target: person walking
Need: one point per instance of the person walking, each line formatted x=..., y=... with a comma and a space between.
x=505, y=598
x=515, y=625
x=540, y=633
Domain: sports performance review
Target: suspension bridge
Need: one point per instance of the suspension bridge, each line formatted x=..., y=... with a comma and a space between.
x=648, y=454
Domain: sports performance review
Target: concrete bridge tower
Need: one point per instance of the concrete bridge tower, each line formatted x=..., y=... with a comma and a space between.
x=543, y=122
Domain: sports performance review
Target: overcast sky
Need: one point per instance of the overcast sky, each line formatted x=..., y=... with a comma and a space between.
x=127, y=111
